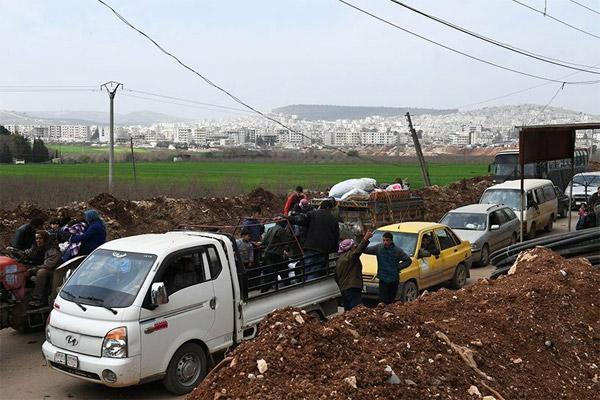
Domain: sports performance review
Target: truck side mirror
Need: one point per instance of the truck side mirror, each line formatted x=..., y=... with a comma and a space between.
x=158, y=294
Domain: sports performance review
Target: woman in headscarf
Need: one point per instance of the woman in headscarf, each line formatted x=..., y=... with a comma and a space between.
x=94, y=235
x=348, y=270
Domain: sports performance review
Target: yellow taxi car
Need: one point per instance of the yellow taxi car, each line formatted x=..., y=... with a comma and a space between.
x=438, y=256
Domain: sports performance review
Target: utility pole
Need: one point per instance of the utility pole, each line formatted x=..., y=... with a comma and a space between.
x=111, y=87
x=424, y=171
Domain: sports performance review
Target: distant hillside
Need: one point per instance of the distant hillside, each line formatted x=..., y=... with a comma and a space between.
x=84, y=118
x=331, y=113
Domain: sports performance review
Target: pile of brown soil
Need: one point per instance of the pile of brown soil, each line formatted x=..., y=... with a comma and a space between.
x=441, y=199
x=159, y=214
x=532, y=335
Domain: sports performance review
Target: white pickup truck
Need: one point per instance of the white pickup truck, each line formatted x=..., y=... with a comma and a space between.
x=159, y=306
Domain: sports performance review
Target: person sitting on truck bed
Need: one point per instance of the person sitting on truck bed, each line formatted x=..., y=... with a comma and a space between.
x=25, y=235
x=43, y=273
x=94, y=235
x=322, y=238
x=276, y=245
x=348, y=270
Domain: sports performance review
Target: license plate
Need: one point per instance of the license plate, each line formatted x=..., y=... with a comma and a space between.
x=66, y=359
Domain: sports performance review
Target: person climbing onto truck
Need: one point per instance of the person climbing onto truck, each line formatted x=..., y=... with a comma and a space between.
x=322, y=238
x=256, y=229
x=390, y=261
x=348, y=270
x=246, y=248
x=292, y=200
x=277, y=243
x=94, y=235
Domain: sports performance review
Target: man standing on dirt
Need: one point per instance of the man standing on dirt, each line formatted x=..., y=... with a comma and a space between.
x=348, y=270
x=292, y=200
x=390, y=261
x=322, y=238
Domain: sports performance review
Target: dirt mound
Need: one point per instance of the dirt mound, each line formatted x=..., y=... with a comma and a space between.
x=159, y=214
x=532, y=335
x=441, y=199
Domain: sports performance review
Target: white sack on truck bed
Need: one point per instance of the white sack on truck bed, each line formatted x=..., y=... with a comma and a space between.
x=339, y=189
x=355, y=194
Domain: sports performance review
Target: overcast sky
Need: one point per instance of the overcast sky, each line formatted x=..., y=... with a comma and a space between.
x=273, y=53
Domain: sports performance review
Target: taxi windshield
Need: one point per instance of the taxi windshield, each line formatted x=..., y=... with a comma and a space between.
x=406, y=241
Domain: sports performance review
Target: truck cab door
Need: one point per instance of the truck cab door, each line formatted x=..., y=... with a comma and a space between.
x=189, y=313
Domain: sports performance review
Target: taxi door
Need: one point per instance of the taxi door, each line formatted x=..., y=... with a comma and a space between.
x=449, y=254
x=430, y=268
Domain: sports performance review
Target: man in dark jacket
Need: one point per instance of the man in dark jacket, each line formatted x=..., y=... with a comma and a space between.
x=322, y=238
x=348, y=270
x=43, y=273
x=25, y=235
x=276, y=244
x=256, y=229
x=390, y=261
x=94, y=235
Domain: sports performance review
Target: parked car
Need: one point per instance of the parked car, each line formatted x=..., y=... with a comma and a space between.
x=158, y=306
x=540, y=208
x=488, y=227
x=584, y=185
x=563, y=202
x=451, y=265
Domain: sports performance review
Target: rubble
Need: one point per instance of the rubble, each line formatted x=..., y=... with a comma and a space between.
x=463, y=349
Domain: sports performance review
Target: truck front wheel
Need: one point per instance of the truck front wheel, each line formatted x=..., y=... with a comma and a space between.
x=186, y=369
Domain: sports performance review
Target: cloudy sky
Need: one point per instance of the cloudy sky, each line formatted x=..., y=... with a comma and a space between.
x=272, y=53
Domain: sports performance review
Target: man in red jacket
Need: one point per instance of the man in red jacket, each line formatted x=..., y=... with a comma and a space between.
x=293, y=199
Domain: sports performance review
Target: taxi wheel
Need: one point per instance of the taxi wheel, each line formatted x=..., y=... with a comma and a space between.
x=186, y=369
x=460, y=277
x=409, y=291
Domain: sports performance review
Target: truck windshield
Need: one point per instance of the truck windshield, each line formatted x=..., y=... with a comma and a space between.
x=406, y=241
x=467, y=221
x=108, y=278
x=507, y=166
x=509, y=197
x=586, y=180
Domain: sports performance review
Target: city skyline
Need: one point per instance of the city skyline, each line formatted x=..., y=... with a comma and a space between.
x=274, y=54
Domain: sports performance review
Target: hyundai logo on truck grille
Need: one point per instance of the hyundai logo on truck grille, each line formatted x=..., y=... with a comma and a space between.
x=71, y=340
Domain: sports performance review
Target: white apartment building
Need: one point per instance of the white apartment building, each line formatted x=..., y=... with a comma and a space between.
x=182, y=135
x=460, y=139
x=74, y=133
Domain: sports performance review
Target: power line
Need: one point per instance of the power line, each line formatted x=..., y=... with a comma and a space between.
x=204, y=78
x=46, y=86
x=180, y=104
x=560, y=88
x=584, y=6
x=32, y=90
x=498, y=43
x=461, y=52
x=187, y=100
x=556, y=19
x=518, y=91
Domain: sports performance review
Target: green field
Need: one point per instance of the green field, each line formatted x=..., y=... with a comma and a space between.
x=247, y=175
x=73, y=149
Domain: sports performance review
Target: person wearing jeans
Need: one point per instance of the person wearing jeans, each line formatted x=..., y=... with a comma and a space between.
x=390, y=261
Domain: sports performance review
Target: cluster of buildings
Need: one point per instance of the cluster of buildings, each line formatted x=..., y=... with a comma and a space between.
x=482, y=127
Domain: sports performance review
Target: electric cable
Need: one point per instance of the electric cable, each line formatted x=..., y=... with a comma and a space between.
x=556, y=19
x=535, y=117
x=462, y=52
x=181, y=104
x=186, y=100
x=204, y=78
x=506, y=46
x=584, y=6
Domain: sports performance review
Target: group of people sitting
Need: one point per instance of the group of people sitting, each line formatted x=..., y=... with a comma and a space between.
x=45, y=249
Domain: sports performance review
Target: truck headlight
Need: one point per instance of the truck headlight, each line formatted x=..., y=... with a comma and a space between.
x=48, y=334
x=115, y=343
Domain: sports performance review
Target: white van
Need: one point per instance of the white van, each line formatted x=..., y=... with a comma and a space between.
x=158, y=306
x=541, y=205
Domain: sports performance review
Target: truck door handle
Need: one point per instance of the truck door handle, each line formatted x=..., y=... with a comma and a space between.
x=213, y=303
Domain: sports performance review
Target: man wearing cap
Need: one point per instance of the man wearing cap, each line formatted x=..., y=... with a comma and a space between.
x=348, y=270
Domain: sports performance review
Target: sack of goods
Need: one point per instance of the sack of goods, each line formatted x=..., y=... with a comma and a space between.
x=364, y=184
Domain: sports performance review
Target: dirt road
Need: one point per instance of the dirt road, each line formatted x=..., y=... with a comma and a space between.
x=25, y=376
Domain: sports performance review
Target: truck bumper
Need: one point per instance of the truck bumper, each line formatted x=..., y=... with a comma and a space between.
x=127, y=370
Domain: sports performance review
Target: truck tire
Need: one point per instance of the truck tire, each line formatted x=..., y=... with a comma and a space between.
x=485, y=255
x=409, y=291
x=186, y=369
x=532, y=232
x=460, y=277
x=549, y=225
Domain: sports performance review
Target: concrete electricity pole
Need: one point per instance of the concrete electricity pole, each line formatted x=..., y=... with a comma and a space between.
x=422, y=163
x=111, y=87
